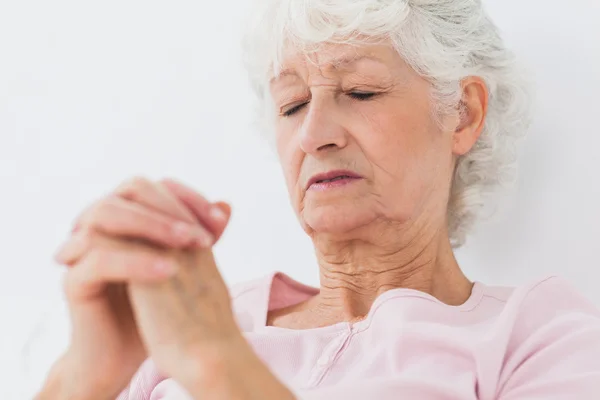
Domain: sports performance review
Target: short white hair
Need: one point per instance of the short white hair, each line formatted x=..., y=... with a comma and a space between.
x=444, y=41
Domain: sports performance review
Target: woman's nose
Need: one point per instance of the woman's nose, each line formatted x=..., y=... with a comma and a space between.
x=322, y=130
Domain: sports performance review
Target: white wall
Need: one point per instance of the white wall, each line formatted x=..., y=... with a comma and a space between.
x=92, y=93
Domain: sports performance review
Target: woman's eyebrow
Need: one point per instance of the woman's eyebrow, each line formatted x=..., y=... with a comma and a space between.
x=343, y=63
x=282, y=74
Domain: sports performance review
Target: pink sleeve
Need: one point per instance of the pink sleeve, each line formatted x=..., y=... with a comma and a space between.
x=382, y=389
x=555, y=347
x=143, y=383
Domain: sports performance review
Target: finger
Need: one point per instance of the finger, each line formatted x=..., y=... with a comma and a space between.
x=73, y=249
x=117, y=216
x=213, y=217
x=87, y=210
x=100, y=267
x=155, y=196
x=226, y=210
x=152, y=195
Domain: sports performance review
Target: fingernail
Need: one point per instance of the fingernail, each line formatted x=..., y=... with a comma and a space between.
x=217, y=214
x=165, y=268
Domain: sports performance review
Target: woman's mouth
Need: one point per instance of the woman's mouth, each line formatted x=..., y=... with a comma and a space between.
x=332, y=179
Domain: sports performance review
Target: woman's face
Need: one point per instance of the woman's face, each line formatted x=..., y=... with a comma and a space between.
x=361, y=116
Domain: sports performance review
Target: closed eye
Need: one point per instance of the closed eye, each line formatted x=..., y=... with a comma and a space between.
x=362, y=95
x=293, y=110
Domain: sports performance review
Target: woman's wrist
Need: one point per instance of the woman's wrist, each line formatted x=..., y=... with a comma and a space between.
x=52, y=388
x=59, y=385
x=231, y=371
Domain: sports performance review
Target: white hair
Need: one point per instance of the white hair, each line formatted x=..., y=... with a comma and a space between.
x=444, y=41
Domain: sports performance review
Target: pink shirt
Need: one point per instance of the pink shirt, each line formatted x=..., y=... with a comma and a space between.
x=539, y=341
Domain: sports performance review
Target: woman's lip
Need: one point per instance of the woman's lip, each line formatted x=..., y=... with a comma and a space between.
x=326, y=185
x=317, y=179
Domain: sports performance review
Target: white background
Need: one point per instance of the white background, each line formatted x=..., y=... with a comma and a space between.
x=92, y=93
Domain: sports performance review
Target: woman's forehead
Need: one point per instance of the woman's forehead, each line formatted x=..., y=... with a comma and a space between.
x=335, y=57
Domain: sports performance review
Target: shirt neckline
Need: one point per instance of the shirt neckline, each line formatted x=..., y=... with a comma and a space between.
x=470, y=304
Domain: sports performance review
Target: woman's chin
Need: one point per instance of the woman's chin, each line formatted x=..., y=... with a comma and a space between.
x=336, y=219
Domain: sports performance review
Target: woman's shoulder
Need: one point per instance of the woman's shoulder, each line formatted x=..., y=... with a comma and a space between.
x=553, y=342
x=550, y=297
x=549, y=301
x=542, y=296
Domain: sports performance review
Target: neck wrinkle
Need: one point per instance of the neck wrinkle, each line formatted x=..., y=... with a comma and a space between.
x=354, y=273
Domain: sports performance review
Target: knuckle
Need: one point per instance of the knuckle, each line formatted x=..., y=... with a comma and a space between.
x=144, y=254
x=74, y=248
x=166, y=225
x=82, y=238
x=82, y=218
x=147, y=261
x=168, y=181
x=98, y=212
x=133, y=187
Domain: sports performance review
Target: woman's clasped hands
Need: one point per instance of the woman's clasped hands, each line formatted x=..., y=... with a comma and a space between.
x=142, y=282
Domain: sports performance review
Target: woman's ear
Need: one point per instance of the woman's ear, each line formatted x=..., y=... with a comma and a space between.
x=472, y=112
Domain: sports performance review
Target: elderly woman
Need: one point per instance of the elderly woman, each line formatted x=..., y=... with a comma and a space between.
x=393, y=120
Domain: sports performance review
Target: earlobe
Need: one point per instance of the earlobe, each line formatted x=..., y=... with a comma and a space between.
x=472, y=110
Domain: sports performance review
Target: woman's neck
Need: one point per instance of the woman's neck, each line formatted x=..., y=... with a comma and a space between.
x=354, y=273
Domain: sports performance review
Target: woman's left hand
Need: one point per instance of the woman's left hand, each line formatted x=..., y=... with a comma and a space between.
x=186, y=321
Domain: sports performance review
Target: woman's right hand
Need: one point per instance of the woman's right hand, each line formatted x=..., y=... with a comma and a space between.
x=105, y=348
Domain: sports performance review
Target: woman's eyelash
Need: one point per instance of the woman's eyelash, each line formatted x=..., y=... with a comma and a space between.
x=293, y=110
x=355, y=95
x=362, y=95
